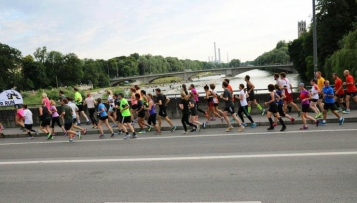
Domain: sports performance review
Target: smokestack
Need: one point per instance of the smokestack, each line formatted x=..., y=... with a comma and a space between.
x=215, y=53
x=227, y=58
x=219, y=55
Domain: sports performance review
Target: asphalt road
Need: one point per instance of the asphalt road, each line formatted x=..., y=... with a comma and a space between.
x=318, y=165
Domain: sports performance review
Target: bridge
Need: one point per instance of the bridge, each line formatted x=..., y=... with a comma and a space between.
x=189, y=74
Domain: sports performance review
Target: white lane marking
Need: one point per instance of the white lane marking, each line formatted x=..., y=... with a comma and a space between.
x=189, y=202
x=180, y=158
x=180, y=136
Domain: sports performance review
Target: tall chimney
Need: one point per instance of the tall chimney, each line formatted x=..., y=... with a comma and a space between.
x=215, y=53
x=227, y=58
x=209, y=59
x=219, y=55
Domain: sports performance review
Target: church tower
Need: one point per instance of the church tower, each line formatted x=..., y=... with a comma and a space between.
x=301, y=28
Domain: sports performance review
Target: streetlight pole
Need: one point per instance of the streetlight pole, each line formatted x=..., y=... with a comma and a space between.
x=314, y=37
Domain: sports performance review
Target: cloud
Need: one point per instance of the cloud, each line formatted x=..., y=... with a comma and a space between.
x=185, y=29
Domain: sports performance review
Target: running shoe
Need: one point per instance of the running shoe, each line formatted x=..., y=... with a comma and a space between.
x=299, y=113
x=270, y=128
x=342, y=120
x=317, y=123
x=173, y=129
x=240, y=129
x=37, y=133
x=320, y=115
x=79, y=135
x=339, y=109
x=88, y=123
x=253, y=125
x=149, y=128
x=65, y=133
x=199, y=128
x=232, y=120
x=119, y=132
x=101, y=136
x=347, y=111
x=263, y=112
x=134, y=136
x=304, y=128
x=127, y=136
x=292, y=120
x=49, y=136
x=70, y=140
x=85, y=131
x=283, y=128
x=112, y=135
x=184, y=132
x=244, y=124
x=204, y=125
x=229, y=128
x=30, y=138
x=317, y=116
x=193, y=130
x=323, y=123
x=142, y=132
x=52, y=138
x=78, y=124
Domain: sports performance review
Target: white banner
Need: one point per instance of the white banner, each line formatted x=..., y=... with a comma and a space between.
x=10, y=98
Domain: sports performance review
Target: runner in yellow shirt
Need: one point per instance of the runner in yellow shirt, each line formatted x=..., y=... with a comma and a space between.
x=320, y=84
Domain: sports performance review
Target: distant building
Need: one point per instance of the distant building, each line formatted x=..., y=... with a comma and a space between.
x=301, y=28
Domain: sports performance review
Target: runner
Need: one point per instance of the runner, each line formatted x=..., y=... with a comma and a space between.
x=152, y=114
x=251, y=96
x=339, y=92
x=1, y=129
x=242, y=97
x=110, y=102
x=229, y=108
x=216, y=100
x=75, y=109
x=315, y=97
x=79, y=102
x=162, y=102
x=28, y=121
x=184, y=106
x=273, y=109
x=211, y=108
x=328, y=96
x=45, y=117
x=145, y=100
x=194, y=113
x=125, y=117
x=67, y=115
x=140, y=110
x=195, y=93
x=184, y=89
x=103, y=118
x=305, y=97
x=55, y=118
x=134, y=103
x=286, y=85
x=280, y=96
x=46, y=100
x=320, y=84
x=278, y=82
x=351, y=90
x=90, y=102
x=19, y=118
x=62, y=96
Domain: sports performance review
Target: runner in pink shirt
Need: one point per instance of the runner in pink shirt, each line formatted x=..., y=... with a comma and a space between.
x=194, y=92
x=46, y=100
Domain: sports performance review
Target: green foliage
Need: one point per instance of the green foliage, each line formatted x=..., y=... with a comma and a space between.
x=234, y=63
x=279, y=55
x=10, y=67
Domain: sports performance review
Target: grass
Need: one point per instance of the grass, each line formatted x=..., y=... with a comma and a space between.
x=167, y=80
x=204, y=74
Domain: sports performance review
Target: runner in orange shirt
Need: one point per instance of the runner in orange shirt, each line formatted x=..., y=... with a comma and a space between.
x=320, y=84
x=351, y=91
x=339, y=92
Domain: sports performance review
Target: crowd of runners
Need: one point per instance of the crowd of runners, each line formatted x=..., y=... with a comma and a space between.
x=142, y=108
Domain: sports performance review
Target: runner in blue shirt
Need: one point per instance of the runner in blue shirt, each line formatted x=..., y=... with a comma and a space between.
x=329, y=99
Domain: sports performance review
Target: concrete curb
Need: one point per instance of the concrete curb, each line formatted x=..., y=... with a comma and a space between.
x=168, y=129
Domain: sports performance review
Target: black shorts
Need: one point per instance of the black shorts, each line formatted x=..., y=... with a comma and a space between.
x=45, y=122
x=328, y=106
x=251, y=97
x=28, y=126
x=340, y=96
x=103, y=118
x=141, y=114
x=68, y=125
x=125, y=119
x=314, y=100
x=281, y=110
x=321, y=96
x=352, y=94
x=119, y=117
x=80, y=107
x=152, y=119
x=305, y=108
x=215, y=104
x=162, y=112
x=135, y=106
x=74, y=120
x=230, y=110
x=273, y=108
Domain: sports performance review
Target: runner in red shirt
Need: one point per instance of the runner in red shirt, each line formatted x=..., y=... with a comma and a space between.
x=351, y=91
x=230, y=88
x=339, y=92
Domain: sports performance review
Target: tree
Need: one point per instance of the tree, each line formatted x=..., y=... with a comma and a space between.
x=35, y=73
x=10, y=67
x=70, y=73
x=234, y=63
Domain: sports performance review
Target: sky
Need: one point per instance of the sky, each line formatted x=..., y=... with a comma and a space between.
x=187, y=29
